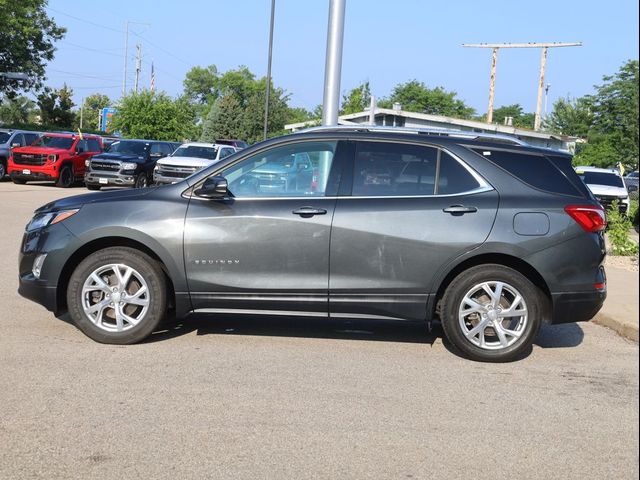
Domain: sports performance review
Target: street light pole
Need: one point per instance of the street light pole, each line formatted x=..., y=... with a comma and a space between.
x=333, y=63
x=268, y=90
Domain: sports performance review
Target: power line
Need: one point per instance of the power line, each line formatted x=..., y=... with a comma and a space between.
x=81, y=74
x=84, y=20
x=166, y=52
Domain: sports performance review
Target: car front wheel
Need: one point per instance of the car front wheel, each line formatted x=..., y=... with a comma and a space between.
x=117, y=295
x=492, y=313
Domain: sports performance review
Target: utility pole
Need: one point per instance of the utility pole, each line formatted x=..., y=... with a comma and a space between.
x=333, y=63
x=138, y=65
x=268, y=91
x=126, y=48
x=543, y=64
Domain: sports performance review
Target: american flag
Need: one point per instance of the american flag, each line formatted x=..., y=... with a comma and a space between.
x=153, y=78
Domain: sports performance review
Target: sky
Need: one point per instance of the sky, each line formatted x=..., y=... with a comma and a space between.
x=385, y=43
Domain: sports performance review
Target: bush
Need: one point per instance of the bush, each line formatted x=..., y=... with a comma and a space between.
x=618, y=232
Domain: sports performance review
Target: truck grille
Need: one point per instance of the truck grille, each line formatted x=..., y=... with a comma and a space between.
x=607, y=200
x=175, y=171
x=29, y=159
x=105, y=166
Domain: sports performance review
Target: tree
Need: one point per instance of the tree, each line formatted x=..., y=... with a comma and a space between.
x=201, y=84
x=55, y=107
x=415, y=96
x=357, y=100
x=154, y=115
x=92, y=108
x=515, y=111
x=298, y=115
x=253, y=113
x=224, y=120
x=17, y=111
x=27, y=37
x=241, y=82
x=571, y=117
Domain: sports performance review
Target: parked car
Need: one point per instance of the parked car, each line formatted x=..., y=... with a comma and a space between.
x=477, y=233
x=9, y=139
x=607, y=185
x=238, y=144
x=285, y=174
x=57, y=157
x=188, y=159
x=128, y=163
x=631, y=180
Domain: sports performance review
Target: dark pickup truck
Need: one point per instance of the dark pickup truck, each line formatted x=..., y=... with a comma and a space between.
x=128, y=163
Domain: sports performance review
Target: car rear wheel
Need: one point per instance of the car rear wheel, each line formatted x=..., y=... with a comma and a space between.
x=117, y=295
x=65, y=177
x=492, y=313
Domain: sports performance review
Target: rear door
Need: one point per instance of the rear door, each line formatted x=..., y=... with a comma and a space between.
x=410, y=209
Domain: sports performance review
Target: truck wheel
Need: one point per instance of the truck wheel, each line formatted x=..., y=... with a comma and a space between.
x=65, y=177
x=117, y=295
x=18, y=181
x=93, y=187
x=141, y=181
x=492, y=313
x=3, y=168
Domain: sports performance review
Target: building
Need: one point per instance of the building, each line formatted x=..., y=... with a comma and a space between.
x=397, y=117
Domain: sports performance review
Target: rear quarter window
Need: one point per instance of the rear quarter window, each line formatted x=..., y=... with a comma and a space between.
x=537, y=171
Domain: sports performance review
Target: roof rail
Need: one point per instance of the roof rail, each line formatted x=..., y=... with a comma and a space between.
x=443, y=132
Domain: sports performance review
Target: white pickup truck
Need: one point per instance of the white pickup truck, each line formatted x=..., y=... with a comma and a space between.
x=188, y=159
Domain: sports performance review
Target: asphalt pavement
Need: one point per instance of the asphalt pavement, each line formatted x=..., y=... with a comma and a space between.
x=242, y=398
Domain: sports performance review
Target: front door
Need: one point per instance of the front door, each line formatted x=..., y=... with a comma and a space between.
x=410, y=211
x=265, y=248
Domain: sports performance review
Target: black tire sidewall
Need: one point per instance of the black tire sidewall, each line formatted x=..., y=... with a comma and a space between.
x=485, y=273
x=150, y=271
x=61, y=177
x=139, y=178
x=93, y=187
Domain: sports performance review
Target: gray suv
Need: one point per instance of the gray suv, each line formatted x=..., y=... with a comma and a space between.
x=478, y=233
x=9, y=139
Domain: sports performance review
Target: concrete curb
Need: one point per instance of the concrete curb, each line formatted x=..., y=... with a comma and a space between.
x=624, y=329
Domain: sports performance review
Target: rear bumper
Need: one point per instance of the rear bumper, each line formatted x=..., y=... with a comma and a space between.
x=577, y=306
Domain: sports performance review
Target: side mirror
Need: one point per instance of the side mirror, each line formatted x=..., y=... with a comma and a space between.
x=632, y=188
x=15, y=145
x=213, y=187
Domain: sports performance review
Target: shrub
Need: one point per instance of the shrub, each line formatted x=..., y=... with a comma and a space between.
x=618, y=232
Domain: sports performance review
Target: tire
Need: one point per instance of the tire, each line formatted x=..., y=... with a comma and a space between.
x=461, y=318
x=3, y=168
x=98, y=312
x=93, y=187
x=65, y=177
x=18, y=181
x=142, y=181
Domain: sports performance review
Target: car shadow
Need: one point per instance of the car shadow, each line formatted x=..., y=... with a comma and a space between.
x=297, y=327
x=565, y=335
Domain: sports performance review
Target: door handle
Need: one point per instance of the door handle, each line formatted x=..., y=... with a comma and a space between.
x=307, y=212
x=459, y=210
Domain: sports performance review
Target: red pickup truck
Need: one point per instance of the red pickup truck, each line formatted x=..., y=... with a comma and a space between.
x=57, y=157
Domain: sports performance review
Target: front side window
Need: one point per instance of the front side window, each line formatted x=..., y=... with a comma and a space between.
x=93, y=145
x=300, y=169
x=4, y=137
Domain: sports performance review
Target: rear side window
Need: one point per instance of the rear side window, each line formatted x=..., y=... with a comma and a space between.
x=388, y=169
x=535, y=170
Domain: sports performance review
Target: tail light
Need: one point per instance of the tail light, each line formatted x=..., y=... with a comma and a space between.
x=590, y=218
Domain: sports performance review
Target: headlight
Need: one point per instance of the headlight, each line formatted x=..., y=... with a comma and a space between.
x=87, y=162
x=42, y=220
x=129, y=166
x=156, y=168
x=52, y=157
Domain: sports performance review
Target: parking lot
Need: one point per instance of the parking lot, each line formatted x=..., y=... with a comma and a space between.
x=292, y=398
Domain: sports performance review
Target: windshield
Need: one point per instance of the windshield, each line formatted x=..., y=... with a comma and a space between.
x=131, y=148
x=54, y=142
x=601, y=178
x=4, y=137
x=633, y=175
x=209, y=153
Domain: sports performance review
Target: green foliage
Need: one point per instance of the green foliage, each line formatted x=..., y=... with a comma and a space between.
x=520, y=118
x=154, y=116
x=608, y=119
x=55, y=107
x=298, y=115
x=571, y=117
x=201, y=84
x=224, y=120
x=618, y=232
x=357, y=100
x=18, y=110
x=27, y=35
x=92, y=109
x=415, y=96
x=241, y=82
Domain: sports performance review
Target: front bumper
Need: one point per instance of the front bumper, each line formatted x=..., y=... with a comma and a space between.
x=39, y=292
x=109, y=179
x=163, y=180
x=33, y=176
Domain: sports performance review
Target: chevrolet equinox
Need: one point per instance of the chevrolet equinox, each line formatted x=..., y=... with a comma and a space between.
x=490, y=236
